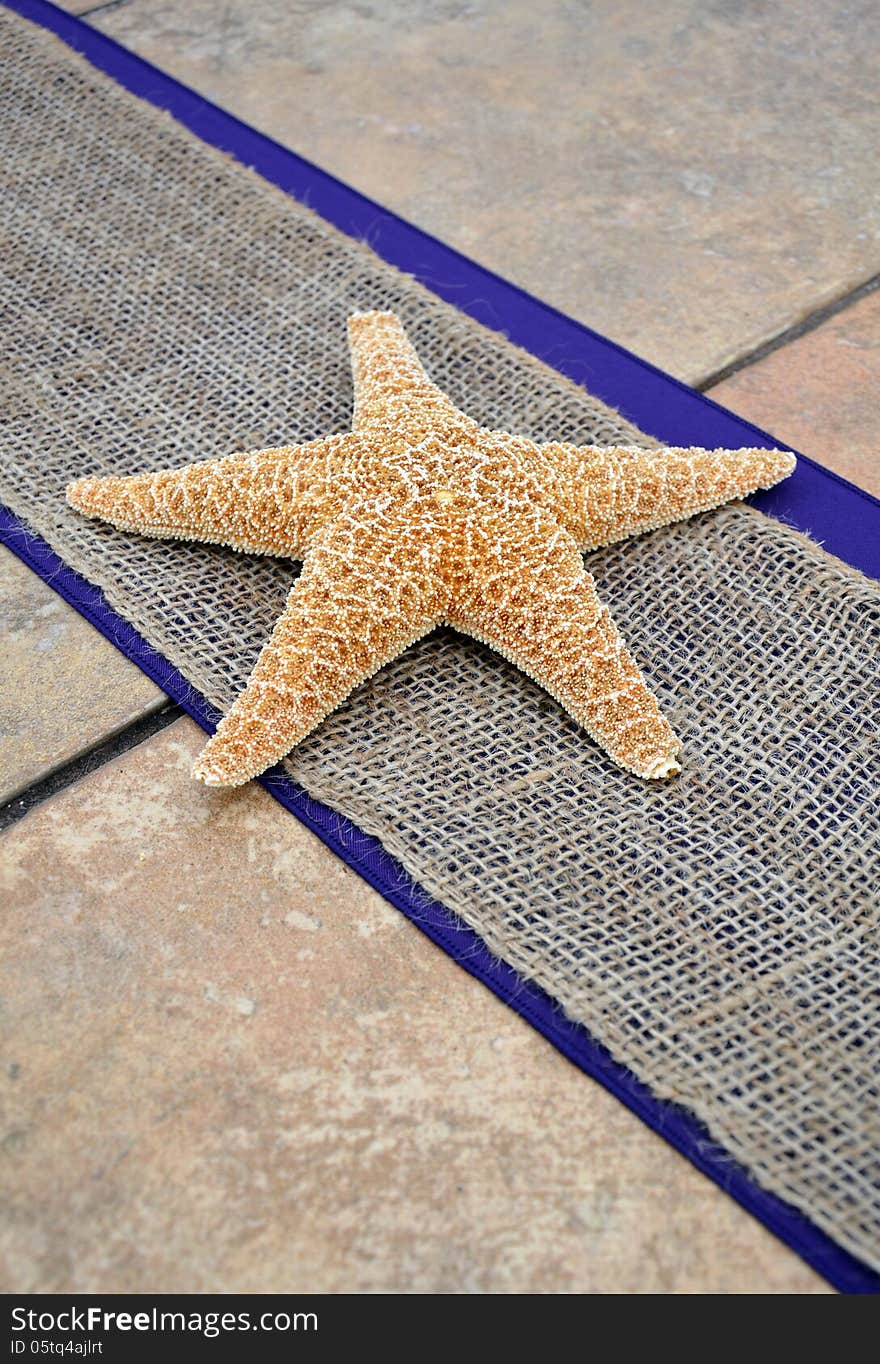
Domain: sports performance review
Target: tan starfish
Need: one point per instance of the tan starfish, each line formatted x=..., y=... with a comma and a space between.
x=420, y=516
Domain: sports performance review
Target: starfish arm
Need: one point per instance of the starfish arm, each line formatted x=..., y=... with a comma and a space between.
x=530, y=598
x=262, y=502
x=389, y=380
x=607, y=494
x=358, y=603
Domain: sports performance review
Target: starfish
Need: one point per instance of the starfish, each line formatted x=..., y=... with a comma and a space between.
x=419, y=516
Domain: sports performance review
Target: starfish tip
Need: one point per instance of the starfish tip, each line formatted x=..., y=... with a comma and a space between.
x=781, y=463
x=663, y=767
x=357, y=320
x=205, y=775
x=79, y=493
x=211, y=773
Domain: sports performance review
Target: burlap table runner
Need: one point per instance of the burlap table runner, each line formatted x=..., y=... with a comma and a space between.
x=717, y=934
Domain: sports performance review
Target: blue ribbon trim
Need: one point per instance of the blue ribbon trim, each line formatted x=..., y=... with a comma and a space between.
x=844, y=517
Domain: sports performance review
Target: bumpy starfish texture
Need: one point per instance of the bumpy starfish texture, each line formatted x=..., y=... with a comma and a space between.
x=417, y=517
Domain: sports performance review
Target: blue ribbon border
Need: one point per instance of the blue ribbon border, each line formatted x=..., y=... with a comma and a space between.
x=845, y=518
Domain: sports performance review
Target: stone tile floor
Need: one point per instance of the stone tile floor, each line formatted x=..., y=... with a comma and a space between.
x=276, y=1082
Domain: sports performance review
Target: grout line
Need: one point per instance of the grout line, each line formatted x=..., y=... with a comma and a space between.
x=97, y=9
x=89, y=761
x=797, y=329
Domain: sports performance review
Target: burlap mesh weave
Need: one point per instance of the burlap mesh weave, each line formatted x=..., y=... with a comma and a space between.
x=163, y=304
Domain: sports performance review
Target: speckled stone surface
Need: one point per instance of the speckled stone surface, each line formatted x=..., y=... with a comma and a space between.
x=228, y=1064
x=821, y=393
x=689, y=179
x=63, y=687
x=83, y=7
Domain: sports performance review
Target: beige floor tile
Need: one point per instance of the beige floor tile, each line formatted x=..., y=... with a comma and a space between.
x=63, y=687
x=83, y=6
x=689, y=179
x=820, y=393
x=228, y=1064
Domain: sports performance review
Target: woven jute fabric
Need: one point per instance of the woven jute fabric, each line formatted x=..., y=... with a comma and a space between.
x=163, y=304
